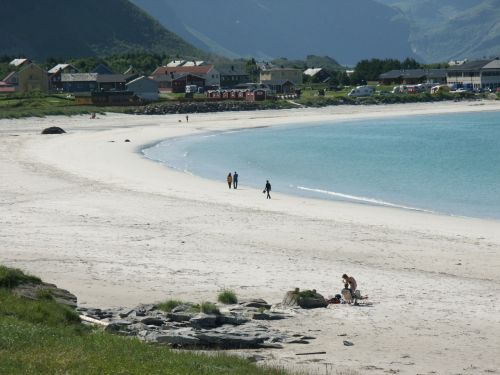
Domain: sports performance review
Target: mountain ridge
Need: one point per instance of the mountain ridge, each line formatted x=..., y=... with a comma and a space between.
x=84, y=28
x=266, y=29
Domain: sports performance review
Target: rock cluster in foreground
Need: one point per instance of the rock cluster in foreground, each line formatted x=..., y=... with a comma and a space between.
x=239, y=326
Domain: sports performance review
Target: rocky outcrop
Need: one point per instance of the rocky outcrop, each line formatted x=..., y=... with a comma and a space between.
x=238, y=326
x=307, y=299
x=37, y=291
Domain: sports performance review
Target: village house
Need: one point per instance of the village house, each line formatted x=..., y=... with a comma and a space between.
x=18, y=63
x=27, y=77
x=232, y=76
x=480, y=74
x=281, y=80
x=145, y=88
x=413, y=76
x=176, y=78
x=55, y=83
x=317, y=74
x=88, y=82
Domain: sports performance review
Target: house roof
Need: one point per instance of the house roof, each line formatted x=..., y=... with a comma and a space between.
x=102, y=69
x=58, y=68
x=193, y=63
x=141, y=78
x=9, y=76
x=312, y=71
x=183, y=69
x=414, y=73
x=472, y=65
x=79, y=77
x=93, y=77
x=495, y=64
x=18, y=62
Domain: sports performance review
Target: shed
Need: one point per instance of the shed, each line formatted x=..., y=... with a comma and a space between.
x=145, y=88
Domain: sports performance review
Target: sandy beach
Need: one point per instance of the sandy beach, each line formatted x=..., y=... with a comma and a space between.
x=86, y=211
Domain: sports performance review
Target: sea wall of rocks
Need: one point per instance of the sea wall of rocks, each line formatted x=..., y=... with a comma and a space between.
x=206, y=107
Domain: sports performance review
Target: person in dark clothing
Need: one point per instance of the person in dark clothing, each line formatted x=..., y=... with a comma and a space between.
x=267, y=189
x=235, y=180
x=229, y=180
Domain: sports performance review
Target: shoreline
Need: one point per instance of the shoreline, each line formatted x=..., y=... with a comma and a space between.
x=314, y=193
x=85, y=211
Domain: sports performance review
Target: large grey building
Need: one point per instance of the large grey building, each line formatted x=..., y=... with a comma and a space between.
x=475, y=74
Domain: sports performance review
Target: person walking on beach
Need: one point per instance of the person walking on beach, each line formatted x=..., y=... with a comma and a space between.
x=187, y=118
x=267, y=189
x=229, y=180
x=235, y=180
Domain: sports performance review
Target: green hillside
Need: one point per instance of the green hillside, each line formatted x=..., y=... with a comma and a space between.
x=70, y=28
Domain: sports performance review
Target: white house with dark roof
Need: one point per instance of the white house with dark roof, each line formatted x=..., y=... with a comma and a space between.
x=55, y=75
x=475, y=74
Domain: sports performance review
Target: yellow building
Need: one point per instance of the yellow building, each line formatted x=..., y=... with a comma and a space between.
x=29, y=78
x=282, y=74
x=281, y=80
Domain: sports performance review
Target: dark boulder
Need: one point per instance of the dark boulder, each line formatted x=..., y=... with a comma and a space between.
x=307, y=299
x=53, y=130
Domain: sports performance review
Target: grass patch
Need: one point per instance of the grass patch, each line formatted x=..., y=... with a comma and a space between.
x=45, y=311
x=30, y=349
x=209, y=308
x=169, y=305
x=227, y=297
x=12, y=277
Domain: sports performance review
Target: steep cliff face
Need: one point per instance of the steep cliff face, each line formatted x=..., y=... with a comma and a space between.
x=348, y=30
x=71, y=28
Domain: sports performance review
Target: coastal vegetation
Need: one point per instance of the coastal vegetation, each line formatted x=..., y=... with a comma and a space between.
x=44, y=337
x=227, y=297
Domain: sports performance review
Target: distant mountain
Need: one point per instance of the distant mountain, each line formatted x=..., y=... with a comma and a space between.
x=348, y=30
x=77, y=28
x=442, y=30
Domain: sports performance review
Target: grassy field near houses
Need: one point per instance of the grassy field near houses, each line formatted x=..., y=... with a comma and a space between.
x=43, y=337
x=22, y=106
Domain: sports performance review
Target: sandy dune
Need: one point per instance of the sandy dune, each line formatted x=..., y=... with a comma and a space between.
x=86, y=211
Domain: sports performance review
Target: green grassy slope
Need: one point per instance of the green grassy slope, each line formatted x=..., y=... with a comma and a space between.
x=45, y=338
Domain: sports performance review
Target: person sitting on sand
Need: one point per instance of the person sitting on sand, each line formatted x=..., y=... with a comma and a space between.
x=229, y=180
x=351, y=282
x=346, y=294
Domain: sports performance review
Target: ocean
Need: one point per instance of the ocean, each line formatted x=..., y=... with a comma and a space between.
x=447, y=164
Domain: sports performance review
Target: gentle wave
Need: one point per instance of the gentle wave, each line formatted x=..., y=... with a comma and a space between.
x=363, y=199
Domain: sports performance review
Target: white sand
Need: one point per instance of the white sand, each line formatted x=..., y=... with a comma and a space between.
x=116, y=229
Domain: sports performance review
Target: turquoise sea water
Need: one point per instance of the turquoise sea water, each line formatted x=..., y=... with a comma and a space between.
x=448, y=164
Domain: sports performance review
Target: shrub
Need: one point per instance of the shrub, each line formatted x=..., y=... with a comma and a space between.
x=169, y=305
x=12, y=277
x=227, y=297
x=209, y=308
